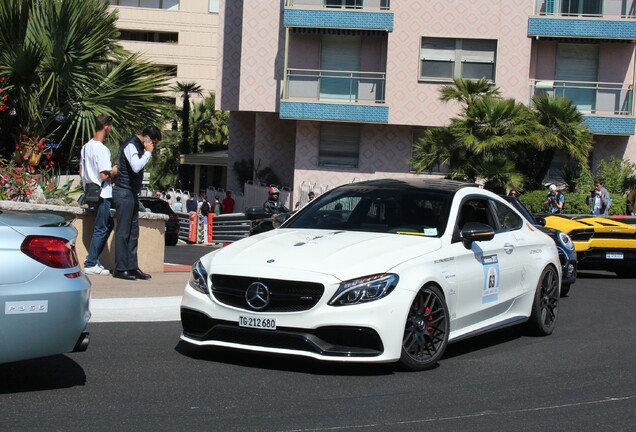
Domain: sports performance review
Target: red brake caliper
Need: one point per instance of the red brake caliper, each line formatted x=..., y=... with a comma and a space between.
x=430, y=318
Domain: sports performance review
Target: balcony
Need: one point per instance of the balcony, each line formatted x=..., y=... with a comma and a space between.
x=583, y=19
x=311, y=94
x=339, y=14
x=576, y=8
x=607, y=107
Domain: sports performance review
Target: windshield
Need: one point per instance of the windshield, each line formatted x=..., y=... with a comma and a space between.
x=401, y=211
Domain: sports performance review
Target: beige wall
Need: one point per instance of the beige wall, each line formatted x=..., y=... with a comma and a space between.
x=150, y=253
x=196, y=52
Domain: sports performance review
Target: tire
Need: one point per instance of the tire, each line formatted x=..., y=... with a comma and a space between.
x=426, y=330
x=565, y=290
x=546, y=303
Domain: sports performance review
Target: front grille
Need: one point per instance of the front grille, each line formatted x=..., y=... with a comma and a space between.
x=285, y=296
x=332, y=341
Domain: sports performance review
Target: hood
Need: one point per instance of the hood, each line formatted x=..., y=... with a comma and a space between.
x=342, y=254
x=598, y=224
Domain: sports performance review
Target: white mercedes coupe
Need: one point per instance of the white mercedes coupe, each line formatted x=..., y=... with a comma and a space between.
x=377, y=271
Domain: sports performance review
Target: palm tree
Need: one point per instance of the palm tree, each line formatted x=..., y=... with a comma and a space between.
x=185, y=90
x=480, y=143
x=501, y=141
x=65, y=66
x=467, y=91
x=209, y=125
x=561, y=128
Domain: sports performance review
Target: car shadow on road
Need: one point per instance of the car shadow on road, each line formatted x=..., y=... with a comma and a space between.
x=47, y=373
x=484, y=341
x=252, y=359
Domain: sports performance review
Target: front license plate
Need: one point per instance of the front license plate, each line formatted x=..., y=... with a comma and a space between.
x=257, y=322
x=614, y=255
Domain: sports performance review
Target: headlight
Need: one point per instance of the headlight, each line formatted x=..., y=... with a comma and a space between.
x=364, y=290
x=199, y=278
x=566, y=240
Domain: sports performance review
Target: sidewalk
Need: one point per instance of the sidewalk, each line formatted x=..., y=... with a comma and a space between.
x=167, y=284
x=157, y=299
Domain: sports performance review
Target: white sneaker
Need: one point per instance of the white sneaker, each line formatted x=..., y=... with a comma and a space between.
x=96, y=270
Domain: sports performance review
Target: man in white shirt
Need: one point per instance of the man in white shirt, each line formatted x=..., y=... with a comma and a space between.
x=96, y=167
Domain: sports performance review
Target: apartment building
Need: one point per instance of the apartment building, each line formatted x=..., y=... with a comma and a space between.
x=331, y=91
x=178, y=35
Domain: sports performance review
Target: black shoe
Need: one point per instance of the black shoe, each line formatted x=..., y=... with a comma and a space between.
x=124, y=275
x=139, y=274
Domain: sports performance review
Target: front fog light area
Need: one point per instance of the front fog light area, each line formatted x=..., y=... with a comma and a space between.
x=199, y=278
x=364, y=290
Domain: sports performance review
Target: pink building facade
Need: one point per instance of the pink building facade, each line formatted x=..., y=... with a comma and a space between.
x=327, y=92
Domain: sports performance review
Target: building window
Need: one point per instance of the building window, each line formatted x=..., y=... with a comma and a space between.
x=444, y=58
x=148, y=36
x=155, y=4
x=213, y=6
x=339, y=146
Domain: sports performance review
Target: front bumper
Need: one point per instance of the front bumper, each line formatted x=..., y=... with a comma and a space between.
x=606, y=259
x=370, y=332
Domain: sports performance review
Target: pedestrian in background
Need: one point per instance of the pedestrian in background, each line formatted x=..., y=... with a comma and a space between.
x=204, y=209
x=599, y=199
x=631, y=198
x=228, y=203
x=96, y=167
x=554, y=201
x=218, y=207
x=177, y=206
x=134, y=154
x=191, y=204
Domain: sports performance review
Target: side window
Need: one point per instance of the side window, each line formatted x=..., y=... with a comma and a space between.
x=508, y=219
x=474, y=210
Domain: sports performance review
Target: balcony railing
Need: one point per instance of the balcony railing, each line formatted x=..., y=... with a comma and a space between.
x=336, y=86
x=346, y=4
x=590, y=97
x=590, y=9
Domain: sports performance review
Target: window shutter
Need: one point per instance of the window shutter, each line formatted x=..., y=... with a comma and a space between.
x=339, y=145
x=438, y=49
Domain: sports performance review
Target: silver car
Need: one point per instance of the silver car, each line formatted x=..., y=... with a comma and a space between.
x=44, y=296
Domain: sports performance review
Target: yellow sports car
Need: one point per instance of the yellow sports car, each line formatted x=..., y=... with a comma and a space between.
x=600, y=243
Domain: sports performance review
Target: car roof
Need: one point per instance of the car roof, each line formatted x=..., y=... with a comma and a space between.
x=413, y=183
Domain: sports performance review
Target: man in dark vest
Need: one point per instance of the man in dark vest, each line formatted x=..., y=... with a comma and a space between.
x=134, y=154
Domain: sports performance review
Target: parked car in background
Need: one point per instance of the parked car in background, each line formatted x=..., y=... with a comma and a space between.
x=44, y=295
x=564, y=244
x=377, y=271
x=157, y=205
x=601, y=243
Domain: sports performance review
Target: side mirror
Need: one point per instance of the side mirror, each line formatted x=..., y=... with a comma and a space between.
x=475, y=231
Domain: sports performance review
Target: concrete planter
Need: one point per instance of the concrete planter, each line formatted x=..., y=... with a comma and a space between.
x=152, y=227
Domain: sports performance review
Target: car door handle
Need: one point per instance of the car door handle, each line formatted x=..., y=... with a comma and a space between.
x=509, y=248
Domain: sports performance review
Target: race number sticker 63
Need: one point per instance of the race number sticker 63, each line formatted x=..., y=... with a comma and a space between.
x=490, y=292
